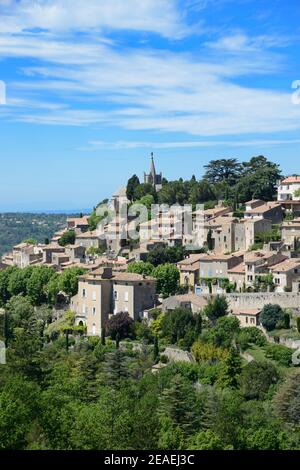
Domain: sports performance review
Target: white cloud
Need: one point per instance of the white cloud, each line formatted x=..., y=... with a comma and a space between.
x=158, y=16
x=92, y=80
x=96, y=145
x=240, y=42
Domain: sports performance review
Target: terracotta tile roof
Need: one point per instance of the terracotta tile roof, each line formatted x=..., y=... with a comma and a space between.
x=239, y=269
x=286, y=265
x=79, y=220
x=92, y=234
x=246, y=311
x=23, y=245
x=291, y=180
x=193, y=258
x=263, y=208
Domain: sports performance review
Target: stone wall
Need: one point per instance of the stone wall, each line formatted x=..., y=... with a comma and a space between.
x=258, y=300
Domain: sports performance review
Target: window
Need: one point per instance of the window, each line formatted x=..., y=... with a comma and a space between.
x=83, y=309
x=126, y=308
x=126, y=296
x=246, y=319
x=94, y=329
x=94, y=295
x=116, y=295
x=94, y=310
x=83, y=293
x=252, y=321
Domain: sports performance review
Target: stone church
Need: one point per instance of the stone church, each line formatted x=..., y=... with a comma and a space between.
x=153, y=178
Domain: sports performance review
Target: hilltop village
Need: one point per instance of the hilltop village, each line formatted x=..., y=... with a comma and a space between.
x=146, y=329
x=252, y=247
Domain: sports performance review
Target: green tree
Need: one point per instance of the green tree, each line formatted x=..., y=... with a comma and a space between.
x=206, y=440
x=18, y=409
x=180, y=326
x=36, y=284
x=224, y=333
x=167, y=276
x=223, y=170
x=155, y=349
x=5, y=276
x=104, y=425
x=66, y=282
x=256, y=379
x=68, y=238
x=287, y=399
x=216, y=307
x=280, y=354
x=140, y=267
x=259, y=179
x=271, y=316
x=298, y=324
x=30, y=241
x=231, y=369
x=132, y=185
x=120, y=324
x=210, y=241
x=178, y=404
x=115, y=371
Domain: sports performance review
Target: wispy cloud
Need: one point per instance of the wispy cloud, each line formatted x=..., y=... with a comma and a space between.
x=241, y=42
x=92, y=79
x=97, y=145
x=158, y=16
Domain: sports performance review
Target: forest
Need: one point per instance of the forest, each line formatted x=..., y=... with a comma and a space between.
x=19, y=226
x=62, y=390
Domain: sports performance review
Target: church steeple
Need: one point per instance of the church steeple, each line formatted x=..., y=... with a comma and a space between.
x=153, y=178
x=152, y=168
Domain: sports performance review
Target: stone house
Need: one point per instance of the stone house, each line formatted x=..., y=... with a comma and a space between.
x=290, y=232
x=79, y=224
x=287, y=189
x=103, y=292
x=257, y=209
x=285, y=274
x=247, y=316
x=259, y=263
x=26, y=254
x=89, y=239
x=236, y=275
x=49, y=250
x=189, y=269
x=75, y=253
x=190, y=301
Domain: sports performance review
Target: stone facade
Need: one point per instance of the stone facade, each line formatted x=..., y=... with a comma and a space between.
x=102, y=293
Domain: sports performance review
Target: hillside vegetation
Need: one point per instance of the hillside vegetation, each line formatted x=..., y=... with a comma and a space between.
x=16, y=227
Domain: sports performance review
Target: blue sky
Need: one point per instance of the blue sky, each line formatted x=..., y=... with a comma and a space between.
x=92, y=87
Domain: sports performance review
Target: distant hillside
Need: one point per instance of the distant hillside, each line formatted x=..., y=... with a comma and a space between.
x=15, y=227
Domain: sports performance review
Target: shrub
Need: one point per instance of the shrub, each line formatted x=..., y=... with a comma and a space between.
x=250, y=335
x=280, y=354
x=256, y=379
x=271, y=316
x=120, y=324
x=207, y=352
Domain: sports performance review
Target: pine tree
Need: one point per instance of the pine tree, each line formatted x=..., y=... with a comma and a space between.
x=103, y=336
x=232, y=366
x=115, y=369
x=117, y=340
x=155, y=349
x=178, y=404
